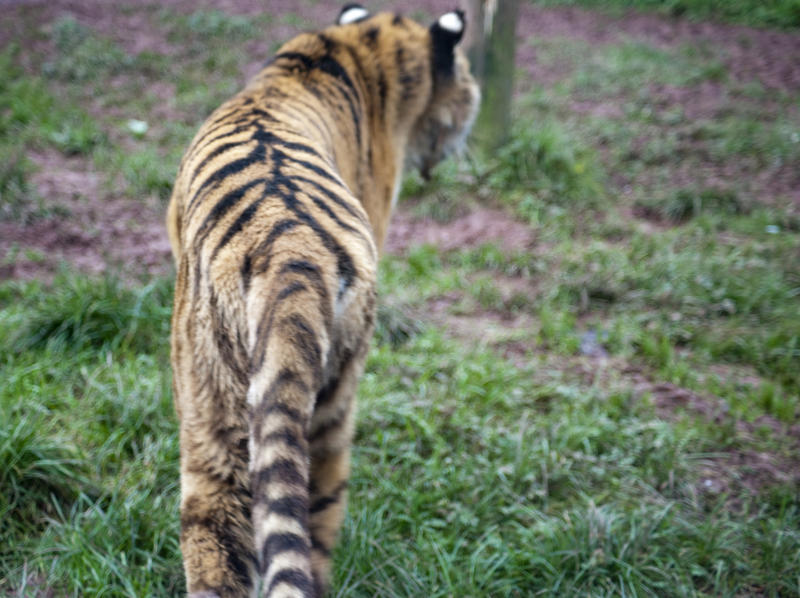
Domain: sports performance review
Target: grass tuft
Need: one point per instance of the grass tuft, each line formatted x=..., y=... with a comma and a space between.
x=394, y=325
x=546, y=161
x=684, y=204
x=16, y=196
x=774, y=13
x=95, y=312
x=40, y=470
x=82, y=55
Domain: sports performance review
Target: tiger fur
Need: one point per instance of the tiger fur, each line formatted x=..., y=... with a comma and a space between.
x=276, y=220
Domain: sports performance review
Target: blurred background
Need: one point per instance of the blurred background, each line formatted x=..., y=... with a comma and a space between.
x=586, y=374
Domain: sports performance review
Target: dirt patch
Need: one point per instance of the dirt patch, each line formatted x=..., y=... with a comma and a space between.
x=737, y=469
x=84, y=225
x=739, y=474
x=479, y=227
x=511, y=334
x=769, y=57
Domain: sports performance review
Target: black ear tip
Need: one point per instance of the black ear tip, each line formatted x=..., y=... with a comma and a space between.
x=352, y=13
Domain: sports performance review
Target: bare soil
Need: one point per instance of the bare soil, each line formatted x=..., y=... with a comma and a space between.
x=480, y=226
x=92, y=228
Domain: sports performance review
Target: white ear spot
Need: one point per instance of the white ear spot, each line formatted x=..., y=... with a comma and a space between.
x=451, y=22
x=351, y=15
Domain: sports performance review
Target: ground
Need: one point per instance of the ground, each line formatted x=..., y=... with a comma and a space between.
x=107, y=226
x=607, y=310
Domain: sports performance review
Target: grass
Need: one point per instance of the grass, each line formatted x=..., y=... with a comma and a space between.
x=82, y=55
x=774, y=13
x=494, y=456
x=511, y=484
x=32, y=118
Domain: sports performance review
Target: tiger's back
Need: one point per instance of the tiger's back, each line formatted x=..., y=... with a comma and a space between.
x=278, y=213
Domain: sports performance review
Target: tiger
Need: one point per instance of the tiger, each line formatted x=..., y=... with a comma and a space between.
x=276, y=221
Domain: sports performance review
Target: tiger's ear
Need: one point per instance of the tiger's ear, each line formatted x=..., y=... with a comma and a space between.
x=446, y=32
x=352, y=13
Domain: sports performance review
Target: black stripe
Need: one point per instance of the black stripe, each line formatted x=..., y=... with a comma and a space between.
x=382, y=92
x=285, y=471
x=291, y=289
x=332, y=196
x=242, y=123
x=271, y=189
x=325, y=208
x=286, y=377
x=294, y=578
x=304, y=59
x=231, y=351
x=286, y=436
x=319, y=546
x=271, y=403
x=276, y=407
x=370, y=36
x=330, y=66
x=257, y=155
x=283, y=542
x=327, y=393
x=309, y=166
x=239, y=125
x=294, y=507
x=312, y=274
x=228, y=200
x=263, y=249
x=305, y=339
x=323, y=429
x=247, y=122
x=243, y=218
x=263, y=136
x=302, y=267
x=324, y=502
x=263, y=331
x=246, y=272
x=217, y=151
x=345, y=267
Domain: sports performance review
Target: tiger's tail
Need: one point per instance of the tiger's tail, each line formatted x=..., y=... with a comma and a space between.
x=290, y=343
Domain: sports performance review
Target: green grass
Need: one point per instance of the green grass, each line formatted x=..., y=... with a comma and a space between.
x=471, y=476
x=32, y=118
x=203, y=24
x=87, y=443
x=81, y=55
x=771, y=13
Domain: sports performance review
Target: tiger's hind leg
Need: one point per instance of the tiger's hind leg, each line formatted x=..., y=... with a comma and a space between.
x=216, y=531
x=215, y=536
x=329, y=442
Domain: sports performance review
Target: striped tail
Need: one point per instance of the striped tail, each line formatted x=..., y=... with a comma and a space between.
x=290, y=344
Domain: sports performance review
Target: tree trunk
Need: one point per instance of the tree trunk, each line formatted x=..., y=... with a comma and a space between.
x=492, y=41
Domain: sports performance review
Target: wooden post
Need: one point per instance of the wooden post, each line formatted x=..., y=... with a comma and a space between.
x=492, y=42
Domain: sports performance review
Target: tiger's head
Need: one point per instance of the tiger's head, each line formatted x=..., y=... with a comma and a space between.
x=423, y=74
